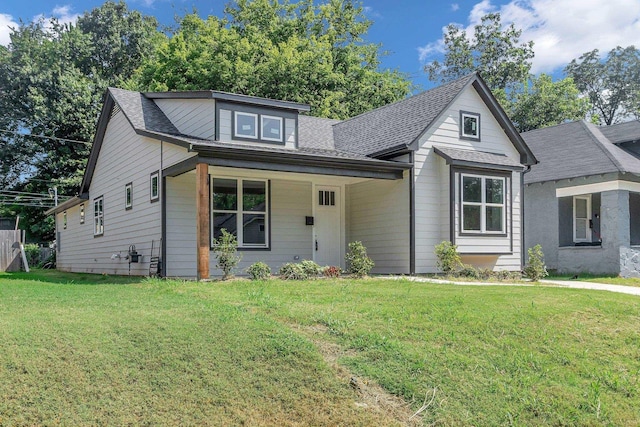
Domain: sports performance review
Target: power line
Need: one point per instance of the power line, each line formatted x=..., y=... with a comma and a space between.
x=55, y=138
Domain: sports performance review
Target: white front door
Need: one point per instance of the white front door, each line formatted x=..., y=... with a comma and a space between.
x=328, y=226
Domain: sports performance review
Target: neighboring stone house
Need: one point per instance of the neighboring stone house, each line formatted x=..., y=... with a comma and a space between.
x=582, y=201
x=170, y=170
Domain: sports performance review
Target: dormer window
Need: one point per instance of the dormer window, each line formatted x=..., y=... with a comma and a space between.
x=271, y=128
x=469, y=125
x=246, y=125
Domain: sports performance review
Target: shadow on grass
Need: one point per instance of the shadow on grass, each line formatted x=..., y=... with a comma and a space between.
x=55, y=276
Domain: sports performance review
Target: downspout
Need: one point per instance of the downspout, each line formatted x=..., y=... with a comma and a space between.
x=163, y=216
x=522, y=246
x=412, y=216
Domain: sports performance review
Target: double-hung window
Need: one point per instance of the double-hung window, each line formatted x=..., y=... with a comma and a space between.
x=98, y=216
x=483, y=204
x=581, y=218
x=241, y=207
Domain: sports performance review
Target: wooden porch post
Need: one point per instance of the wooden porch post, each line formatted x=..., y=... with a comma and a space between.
x=202, y=227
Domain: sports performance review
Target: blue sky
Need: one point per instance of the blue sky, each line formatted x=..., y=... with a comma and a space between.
x=411, y=30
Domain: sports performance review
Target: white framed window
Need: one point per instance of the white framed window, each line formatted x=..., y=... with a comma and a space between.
x=82, y=213
x=64, y=220
x=154, y=186
x=271, y=128
x=98, y=216
x=469, y=125
x=128, y=196
x=582, y=218
x=246, y=125
x=483, y=204
x=241, y=207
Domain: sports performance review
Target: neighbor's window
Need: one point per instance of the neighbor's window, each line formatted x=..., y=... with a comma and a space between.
x=128, y=196
x=240, y=207
x=64, y=220
x=271, y=128
x=469, y=125
x=246, y=125
x=581, y=218
x=483, y=204
x=82, y=213
x=155, y=186
x=98, y=216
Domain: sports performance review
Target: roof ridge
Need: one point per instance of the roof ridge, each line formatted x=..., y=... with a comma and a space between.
x=598, y=139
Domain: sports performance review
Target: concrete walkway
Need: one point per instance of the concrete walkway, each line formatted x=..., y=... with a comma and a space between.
x=574, y=284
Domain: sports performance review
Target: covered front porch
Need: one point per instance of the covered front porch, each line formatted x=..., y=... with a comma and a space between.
x=599, y=228
x=284, y=213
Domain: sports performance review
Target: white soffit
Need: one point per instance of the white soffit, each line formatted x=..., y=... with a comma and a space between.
x=598, y=188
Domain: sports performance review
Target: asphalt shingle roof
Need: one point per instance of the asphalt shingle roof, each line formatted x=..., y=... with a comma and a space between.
x=396, y=125
x=316, y=132
x=573, y=150
x=622, y=132
x=142, y=112
x=479, y=157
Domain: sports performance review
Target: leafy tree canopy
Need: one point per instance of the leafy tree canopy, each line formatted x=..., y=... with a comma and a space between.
x=612, y=84
x=299, y=51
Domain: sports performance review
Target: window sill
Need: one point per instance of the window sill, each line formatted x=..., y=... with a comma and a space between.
x=581, y=247
x=471, y=234
x=247, y=249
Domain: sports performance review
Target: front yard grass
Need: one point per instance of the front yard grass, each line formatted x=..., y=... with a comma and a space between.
x=174, y=353
x=603, y=278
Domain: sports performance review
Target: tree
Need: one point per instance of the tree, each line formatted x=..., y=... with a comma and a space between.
x=300, y=52
x=52, y=80
x=493, y=51
x=542, y=102
x=612, y=85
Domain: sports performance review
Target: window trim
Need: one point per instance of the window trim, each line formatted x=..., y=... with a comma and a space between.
x=128, y=196
x=589, y=237
x=64, y=220
x=98, y=214
x=240, y=212
x=82, y=213
x=483, y=206
x=256, y=133
x=463, y=135
x=152, y=197
x=266, y=138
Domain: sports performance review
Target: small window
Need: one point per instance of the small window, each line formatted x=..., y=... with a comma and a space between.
x=246, y=125
x=128, y=196
x=271, y=128
x=155, y=187
x=469, y=125
x=82, y=213
x=582, y=218
x=326, y=198
x=98, y=216
x=483, y=204
x=64, y=220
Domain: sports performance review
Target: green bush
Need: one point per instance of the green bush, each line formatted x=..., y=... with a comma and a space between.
x=259, y=271
x=292, y=271
x=226, y=250
x=468, y=271
x=332, y=271
x=535, y=268
x=357, y=260
x=448, y=258
x=310, y=268
x=32, y=251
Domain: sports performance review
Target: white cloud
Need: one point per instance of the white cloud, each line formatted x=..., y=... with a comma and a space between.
x=6, y=21
x=562, y=29
x=64, y=15
x=455, y=7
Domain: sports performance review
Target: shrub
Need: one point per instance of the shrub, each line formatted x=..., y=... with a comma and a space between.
x=332, y=271
x=292, y=271
x=259, y=271
x=226, y=250
x=468, y=271
x=310, y=268
x=359, y=263
x=448, y=258
x=505, y=275
x=535, y=268
x=32, y=251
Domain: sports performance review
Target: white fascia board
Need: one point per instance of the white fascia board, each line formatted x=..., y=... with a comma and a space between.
x=598, y=188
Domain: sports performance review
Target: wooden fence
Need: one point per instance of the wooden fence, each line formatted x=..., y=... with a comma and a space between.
x=10, y=250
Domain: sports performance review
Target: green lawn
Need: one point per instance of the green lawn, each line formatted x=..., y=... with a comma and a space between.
x=95, y=350
x=610, y=279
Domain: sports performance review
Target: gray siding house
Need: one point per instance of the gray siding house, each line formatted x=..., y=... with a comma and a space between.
x=582, y=201
x=169, y=170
